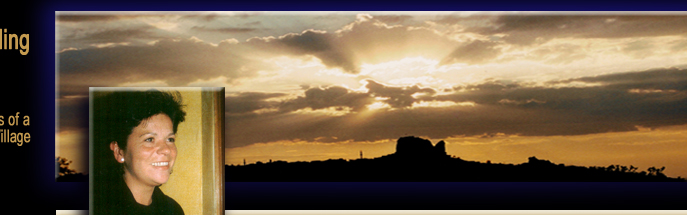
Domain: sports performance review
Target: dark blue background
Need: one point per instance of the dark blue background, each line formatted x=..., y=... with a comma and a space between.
x=28, y=86
x=456, y=196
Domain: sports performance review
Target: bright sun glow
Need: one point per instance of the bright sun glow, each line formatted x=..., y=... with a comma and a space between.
x=439, y=104
x=378, y=105
x=329, y=111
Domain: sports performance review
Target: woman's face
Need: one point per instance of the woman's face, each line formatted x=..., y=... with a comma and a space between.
x=150, y=151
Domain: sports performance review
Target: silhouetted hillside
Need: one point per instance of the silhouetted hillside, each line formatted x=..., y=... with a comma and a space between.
x=72, y=178
x=416, y=159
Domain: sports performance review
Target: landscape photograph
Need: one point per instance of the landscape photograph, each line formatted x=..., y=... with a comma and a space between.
x=399, y=96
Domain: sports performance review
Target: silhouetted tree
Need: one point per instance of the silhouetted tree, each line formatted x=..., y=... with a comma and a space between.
x=64, y=166
x=67, y=174
x=656, y=171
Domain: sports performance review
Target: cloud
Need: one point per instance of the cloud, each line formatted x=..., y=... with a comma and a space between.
x=649, y=98
x=177, y=62
x=73, y=113
x=593, y=104
x=323, y=98
x=110, y=17
x=393, y=19
x=639, y=49
x=679, y=45
x=367, y=40
x=477, y=39
x=559, y=53
x=608, y=103
x=311, y=42
x=475, y=52
x=335, y=96
x=203, y=17
x=530, y=29
x=398, y=97
x=115, y=35
x=317, y=98
x=86, y=18
x=223, y=30
x=248, y=102
x=374, y=41
x=671, y=78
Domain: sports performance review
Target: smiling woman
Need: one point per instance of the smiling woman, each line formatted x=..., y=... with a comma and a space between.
x=139, y=140
x=140, y=130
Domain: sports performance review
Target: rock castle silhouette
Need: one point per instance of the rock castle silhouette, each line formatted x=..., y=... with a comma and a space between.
x=412, y=146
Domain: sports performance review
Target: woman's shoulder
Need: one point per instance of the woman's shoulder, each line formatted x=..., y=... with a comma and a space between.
x=167, y=205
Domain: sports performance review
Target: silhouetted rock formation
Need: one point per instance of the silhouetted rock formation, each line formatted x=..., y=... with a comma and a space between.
x=534, y=161
x=440, y=148
x=415, y=147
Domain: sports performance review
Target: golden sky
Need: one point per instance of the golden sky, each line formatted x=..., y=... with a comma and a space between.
x=582, y=88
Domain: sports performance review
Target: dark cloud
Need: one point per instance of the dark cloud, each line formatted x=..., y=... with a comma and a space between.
x=247, y=102
x=322, y=46
x=398, y=97
x=334, y=96
x=113, y=35
x=393, y=19
x=316, y=98
x=177, y=62
x=612, y=103
x=649, y=98
x=86, y=18
x=204, y=17
x=223, y=30
x=315, y=43
x=658, y=79
x=476, y=21
x=528, y=29
x=641, y=26
x=108, y=17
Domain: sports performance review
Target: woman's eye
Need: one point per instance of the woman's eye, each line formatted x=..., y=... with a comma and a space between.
x=149, y=140
x=171, y=140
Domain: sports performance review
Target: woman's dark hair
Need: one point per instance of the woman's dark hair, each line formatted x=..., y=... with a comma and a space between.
x=116, y=114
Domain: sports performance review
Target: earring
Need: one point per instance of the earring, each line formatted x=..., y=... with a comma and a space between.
x=122, y=159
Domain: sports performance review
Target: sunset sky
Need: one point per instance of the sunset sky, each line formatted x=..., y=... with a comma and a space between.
x=582, y=88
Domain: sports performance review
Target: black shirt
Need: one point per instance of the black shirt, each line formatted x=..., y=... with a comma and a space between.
x=116, y=198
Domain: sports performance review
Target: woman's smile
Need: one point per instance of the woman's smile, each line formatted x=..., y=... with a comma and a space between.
x=160, y=164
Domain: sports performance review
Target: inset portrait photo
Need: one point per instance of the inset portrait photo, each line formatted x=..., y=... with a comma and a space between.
x=156, y=150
